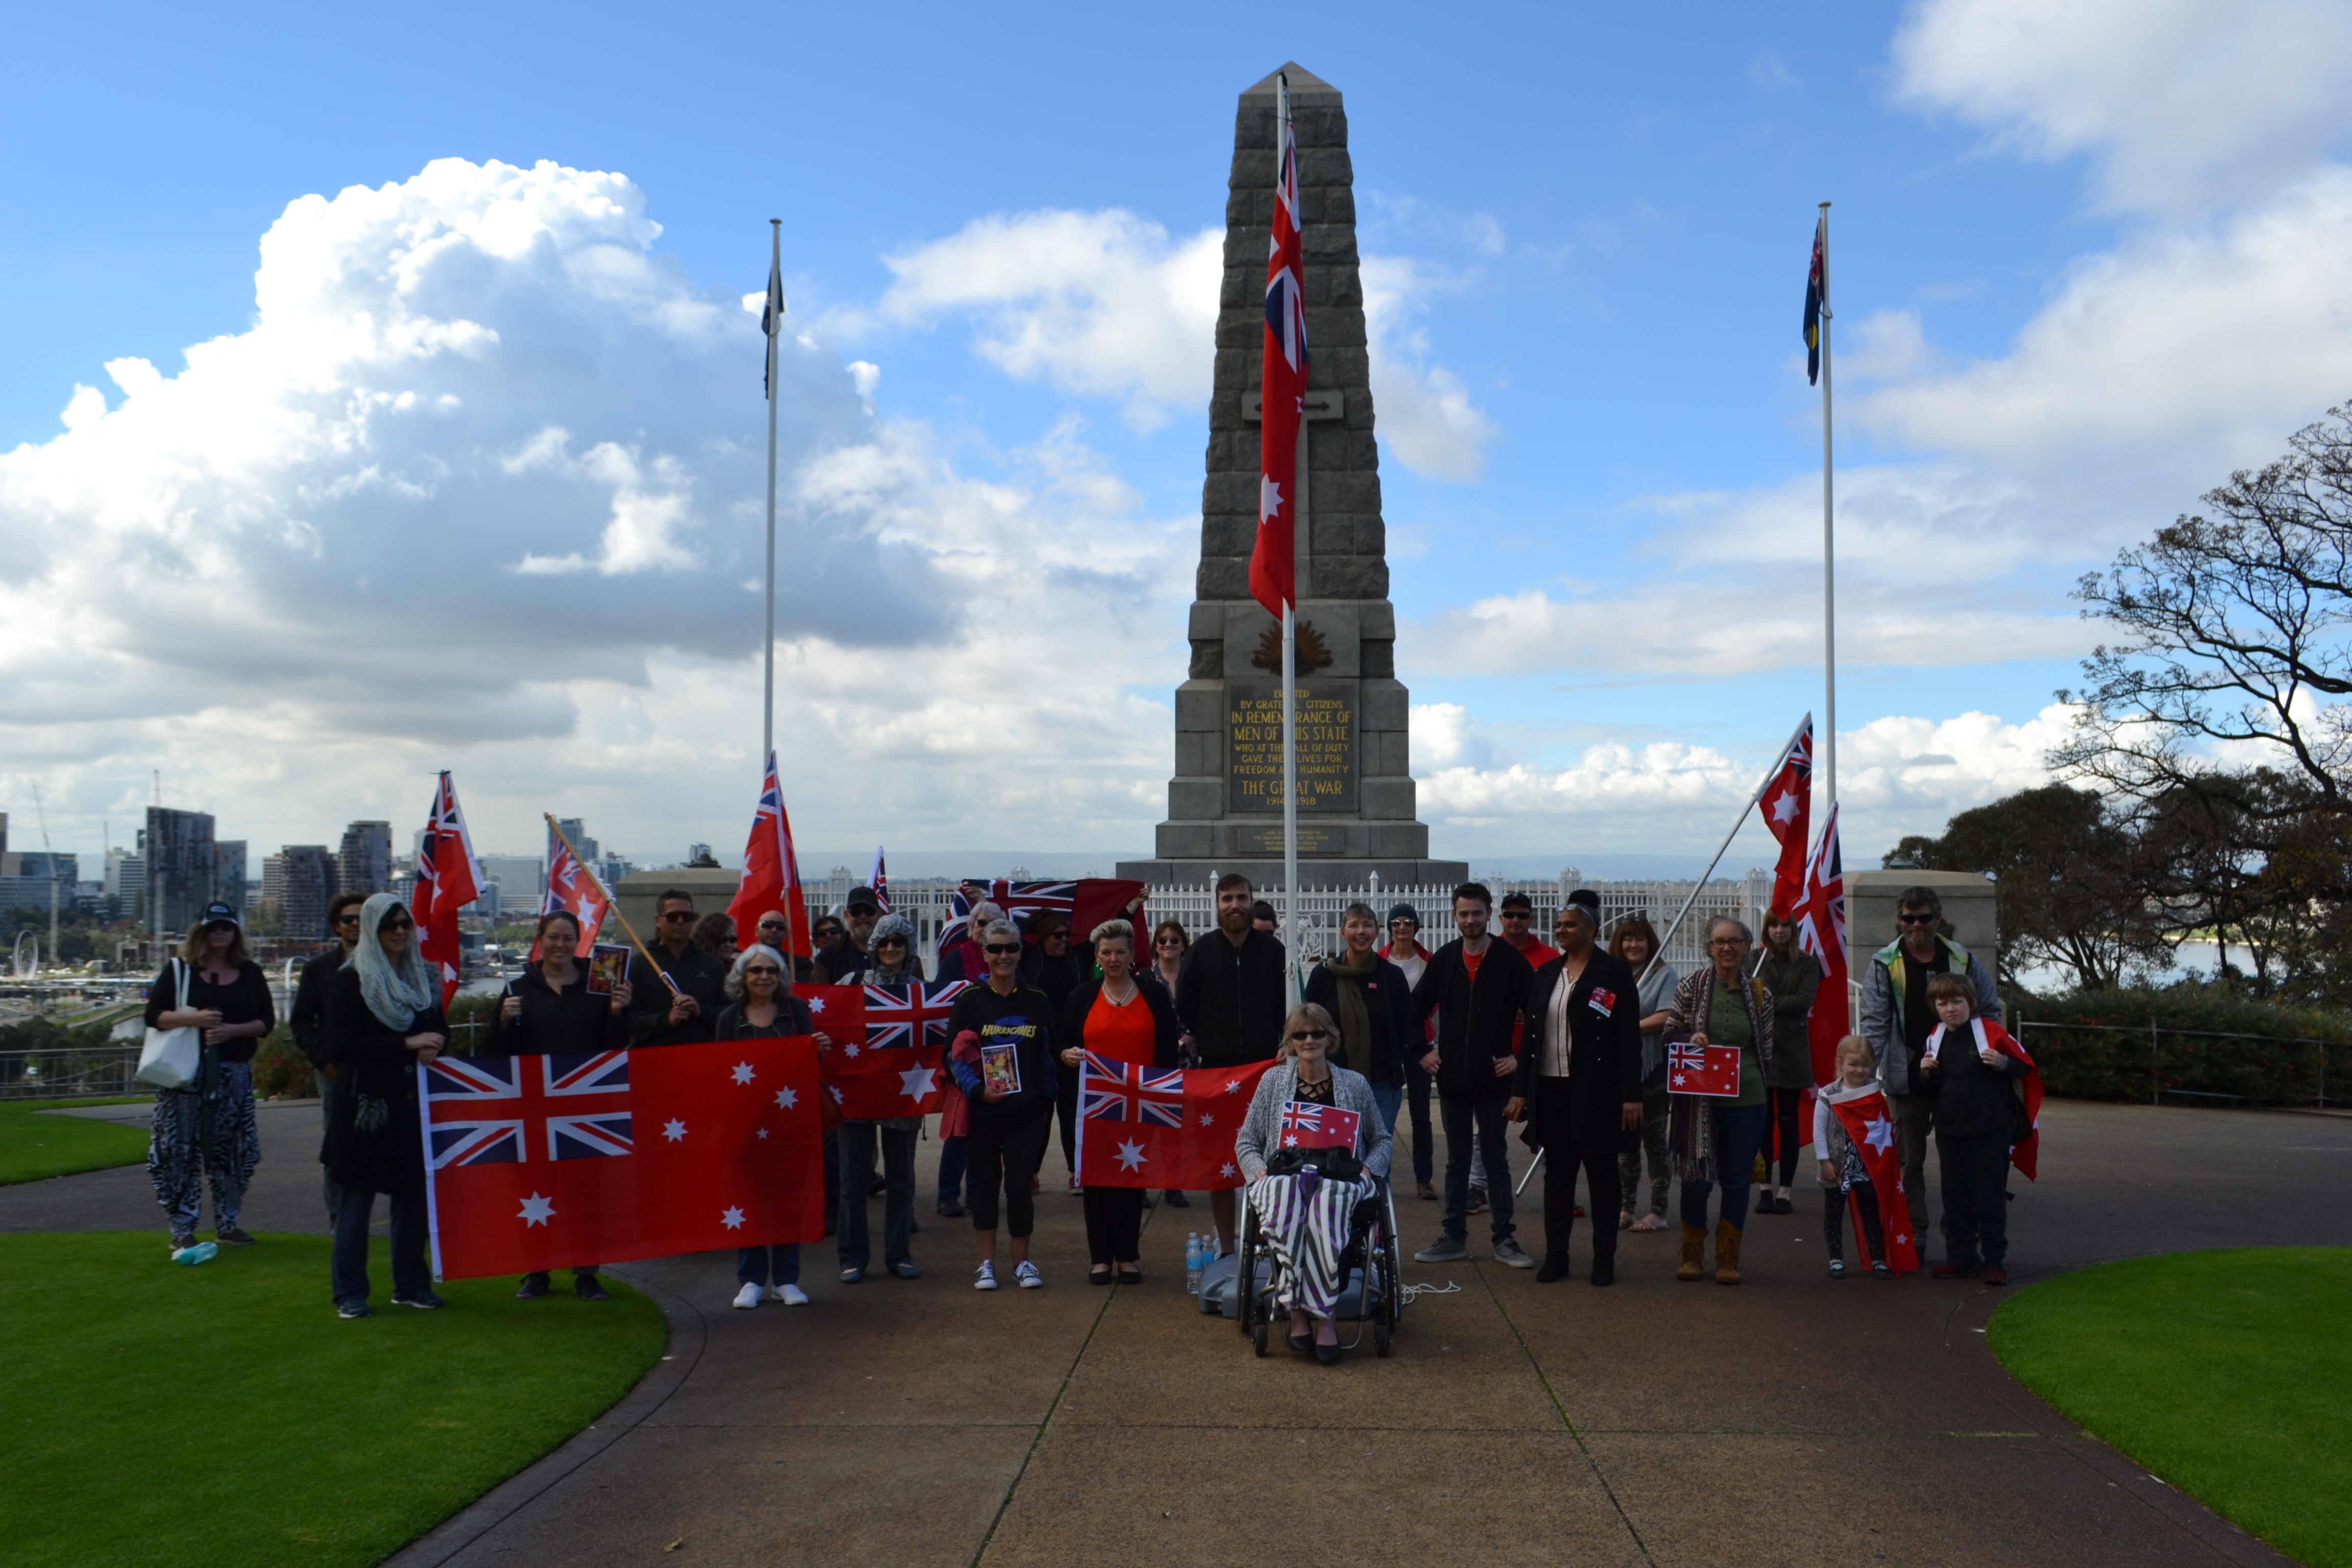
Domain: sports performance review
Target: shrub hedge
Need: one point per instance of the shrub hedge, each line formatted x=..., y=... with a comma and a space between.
x=2100, y=1047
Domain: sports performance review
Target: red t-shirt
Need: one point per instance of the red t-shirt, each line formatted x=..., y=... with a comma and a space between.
x=1123, y=1033
x=1470, y=962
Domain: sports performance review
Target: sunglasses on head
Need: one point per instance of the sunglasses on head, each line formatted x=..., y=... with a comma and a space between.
x=1003, y=947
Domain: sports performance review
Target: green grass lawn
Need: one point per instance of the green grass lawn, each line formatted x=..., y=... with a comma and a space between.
x=222, y=1415
x=2227, y=1375
x=33, y=1146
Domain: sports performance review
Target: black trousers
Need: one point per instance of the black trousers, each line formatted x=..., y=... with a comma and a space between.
x=1976, y=1197
x=1005, y=1159
x=1114, y=1224
x=1563, y=1156
x=1065, y=1108
x=1783, y=1138
x=1865, y=1204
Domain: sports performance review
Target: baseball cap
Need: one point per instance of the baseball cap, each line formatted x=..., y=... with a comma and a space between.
x=861, y=898
x=217, y=914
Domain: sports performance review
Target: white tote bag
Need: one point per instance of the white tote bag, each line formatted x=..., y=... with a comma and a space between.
x=172, y=1056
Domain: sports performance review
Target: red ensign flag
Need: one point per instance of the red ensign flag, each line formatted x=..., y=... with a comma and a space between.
x=1282, y=385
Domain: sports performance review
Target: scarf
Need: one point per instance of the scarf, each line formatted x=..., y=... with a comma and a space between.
x=1355, y=1015
x=395, y=994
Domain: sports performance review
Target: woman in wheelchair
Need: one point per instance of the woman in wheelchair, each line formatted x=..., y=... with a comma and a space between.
x=1303, y=1192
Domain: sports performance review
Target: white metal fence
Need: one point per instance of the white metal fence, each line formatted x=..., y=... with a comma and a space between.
x=928, y=904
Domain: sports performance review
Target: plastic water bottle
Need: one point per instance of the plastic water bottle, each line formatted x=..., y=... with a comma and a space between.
x=199, y=1252
x=1193, y=1263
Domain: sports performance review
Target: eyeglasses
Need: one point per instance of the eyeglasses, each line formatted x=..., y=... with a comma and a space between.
x=1169, y=942
x=772, y=925
x=770, y=970
x=1518, y=914
x=351, y=919
x=677, y=914
x=892, y=942
x=397, y=925
x=1002, y=947
x=1911, y=920
x=1729, y=941
x=1310, y=1035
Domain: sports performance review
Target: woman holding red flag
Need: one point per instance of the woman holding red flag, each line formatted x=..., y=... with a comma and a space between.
x=760, y=1005
x=1121, y=1019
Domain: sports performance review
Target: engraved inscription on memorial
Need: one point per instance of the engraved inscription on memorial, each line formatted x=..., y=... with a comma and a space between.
x=1327, y=747
x=1311, y=841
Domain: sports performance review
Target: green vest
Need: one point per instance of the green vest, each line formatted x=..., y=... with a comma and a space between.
x=1891, y=955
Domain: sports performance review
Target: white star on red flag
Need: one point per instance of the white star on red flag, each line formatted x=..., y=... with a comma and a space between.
x=743, y=1073
x=786, y=1099
x=536, y=1210
x=674, y=1130
x=1130, y=1155
x=916, y=1082
x=732, y=1219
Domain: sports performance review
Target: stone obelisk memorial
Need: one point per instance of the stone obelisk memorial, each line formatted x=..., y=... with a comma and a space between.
x=1356, y=812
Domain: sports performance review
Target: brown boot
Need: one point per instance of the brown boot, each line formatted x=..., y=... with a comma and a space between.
x=1694, y=1253
x=1727, y=1252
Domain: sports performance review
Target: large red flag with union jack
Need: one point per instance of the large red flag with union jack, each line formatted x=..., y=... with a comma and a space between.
x=1283, y=383
x=549, y=1161
x=446, y=881
x=886, y=1044
x=1140, y=1127
x=1787, y=804
x=772, y=872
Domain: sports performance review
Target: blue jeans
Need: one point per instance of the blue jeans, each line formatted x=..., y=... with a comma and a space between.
x=347, y=1269
x=857, y=1142
x=758, y=1265
x=955, y=1171
x=1390, y=1097
x=1459, y=1114
x=1738, y=1133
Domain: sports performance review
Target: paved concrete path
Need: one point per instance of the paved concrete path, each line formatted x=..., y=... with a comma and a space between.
x=1793, y=1420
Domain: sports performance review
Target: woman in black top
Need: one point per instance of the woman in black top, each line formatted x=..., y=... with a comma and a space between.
x=208, y=1129
x=1001, y=1048
x=761, y=1006
x=1581, y=1073
x=548, y=1010
x=383, y=1023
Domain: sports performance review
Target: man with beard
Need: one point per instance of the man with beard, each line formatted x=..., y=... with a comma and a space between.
x=1231, y=994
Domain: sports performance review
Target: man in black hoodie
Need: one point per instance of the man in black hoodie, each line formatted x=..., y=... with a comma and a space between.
x=1476, y=986
x=1230, y=992
x=309, y=1019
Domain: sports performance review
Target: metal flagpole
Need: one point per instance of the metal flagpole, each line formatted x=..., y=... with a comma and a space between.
x=1829, y=536
x=772, y=318
x=1290, y=632
x=1696, y=887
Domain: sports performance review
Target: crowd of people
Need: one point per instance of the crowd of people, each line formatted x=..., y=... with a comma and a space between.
x=1566, y=1042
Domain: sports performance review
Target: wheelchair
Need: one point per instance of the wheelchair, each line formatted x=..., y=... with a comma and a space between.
x=1370, y=1271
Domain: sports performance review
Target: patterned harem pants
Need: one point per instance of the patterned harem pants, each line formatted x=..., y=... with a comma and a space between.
x=1304, y=1222
x=178, y=1159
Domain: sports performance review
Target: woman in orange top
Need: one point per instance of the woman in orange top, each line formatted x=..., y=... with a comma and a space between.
x=1119, y=1020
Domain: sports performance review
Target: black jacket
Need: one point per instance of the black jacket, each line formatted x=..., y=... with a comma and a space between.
x=1233, y=998
x=1972, y=1099
x=1059, y=978
x=792, y=1018
x=1164, y=1025
x=375, y=1063
x=1604, y=1048
x=574, y=1021
x=1388, y=999
x=840, y=964
x=309, y=1019
x=1473, y=1021
x=699, y=974
x=244, y=1000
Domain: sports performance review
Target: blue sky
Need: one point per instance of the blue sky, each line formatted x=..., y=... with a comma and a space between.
x=2080, y=268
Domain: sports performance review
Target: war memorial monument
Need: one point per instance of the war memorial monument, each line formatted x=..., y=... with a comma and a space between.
x=1356, y=810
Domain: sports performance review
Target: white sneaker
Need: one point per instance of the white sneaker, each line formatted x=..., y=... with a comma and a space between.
x=748, y=1298
x=986, y=1278
x=791, y=1295
x=1029, y=1277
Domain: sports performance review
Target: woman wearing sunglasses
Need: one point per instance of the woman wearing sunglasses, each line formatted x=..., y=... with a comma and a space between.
x=891, y=967
x=383, y=1023
x=1119, y=1019
x=209, y=1128
x=1303, y=1214
x=761, y=1006
x=1003, y=1057
x=548, y=1010
x=1713, y=1140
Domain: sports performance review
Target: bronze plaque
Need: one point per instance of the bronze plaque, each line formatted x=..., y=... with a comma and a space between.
x=1325, y=722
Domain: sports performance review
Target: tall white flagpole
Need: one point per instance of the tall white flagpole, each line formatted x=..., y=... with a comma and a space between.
x=1290, y=630
x=1829, y=536
x=773, y=316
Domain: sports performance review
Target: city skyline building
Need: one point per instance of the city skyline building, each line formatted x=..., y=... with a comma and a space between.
x=363, y=862
x=298, y=883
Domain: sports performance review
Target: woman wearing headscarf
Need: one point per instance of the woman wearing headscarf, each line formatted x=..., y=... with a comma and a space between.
x=1120, y=1019
x=892, y=968
x=1304, y=1213
x=1711, y=1139
x=548, y=1010
x=1793, y=976
x=1636, y=942
x=383, y=1023
x=760, y=1006
x=208, y=1129
x=1366, y=995
x=1581, y=1078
